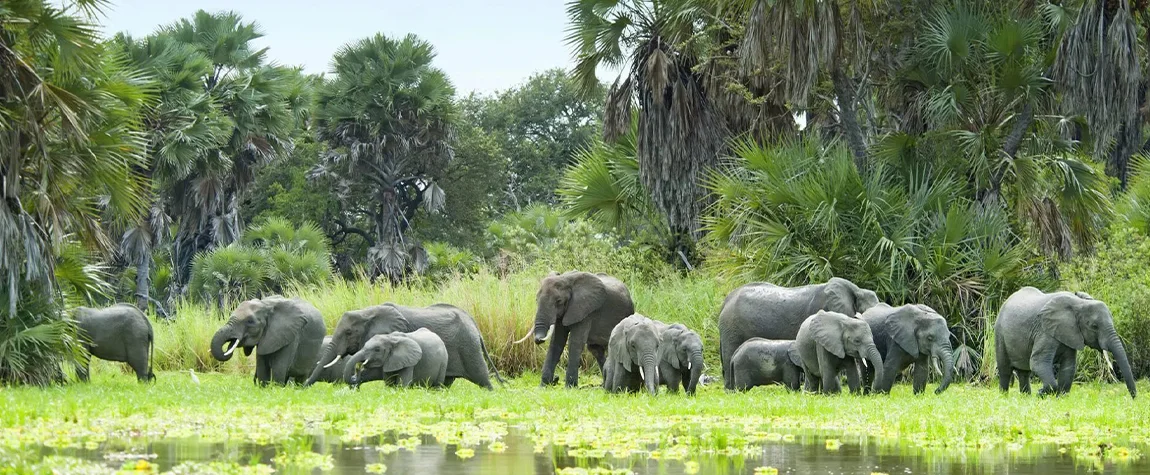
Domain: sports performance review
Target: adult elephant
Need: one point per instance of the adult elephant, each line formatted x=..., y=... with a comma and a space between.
x=763, y=310
x=909, y=334
x=577, y=310
x=285, y=333
x=117, y=333
x=1036, y=331
x=467, y=356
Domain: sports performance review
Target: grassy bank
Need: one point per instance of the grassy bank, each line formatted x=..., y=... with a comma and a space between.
x=503, y=308
x=228, y=407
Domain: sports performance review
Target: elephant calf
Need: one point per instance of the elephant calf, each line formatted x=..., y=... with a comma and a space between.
x=633, y=355
x=909, y=334
x=398, y=358
x=828, y=344
x=760, y=362
x=1041, y=332
x=117, y=333
x=680, y=358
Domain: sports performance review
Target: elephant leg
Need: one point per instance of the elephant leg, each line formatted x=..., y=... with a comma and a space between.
x=263, y=370
x=920, y=373
x=1067, y=365
x=896, y=360
x=405, y=377
x=672, y=378
x=727, y=347
x=576, y=341
x=1042, y=364
x=1005, y=369
x=447, y=380
x=600, y=354
x=138, y=360
x=1023, y=381
x=851, y=367
x=830, y=373
x=280, y=364
x=441, y=377
x=813, y=380
x=475, y=369
x=791, y=377
x=554, y=351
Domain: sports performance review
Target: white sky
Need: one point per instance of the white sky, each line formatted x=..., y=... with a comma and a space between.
x=483, y=45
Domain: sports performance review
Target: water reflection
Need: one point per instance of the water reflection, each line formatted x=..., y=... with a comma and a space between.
x=808, y=454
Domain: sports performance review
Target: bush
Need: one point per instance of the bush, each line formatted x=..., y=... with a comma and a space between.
x=1118, y=274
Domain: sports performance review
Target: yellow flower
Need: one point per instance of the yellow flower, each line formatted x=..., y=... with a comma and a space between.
x=142, y=466
x=834, y=444
x=766, y=471
x=376, y=468
x=465, y=453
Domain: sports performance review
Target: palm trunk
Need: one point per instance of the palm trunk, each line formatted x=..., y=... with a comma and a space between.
x=143, y=281
x=848, y=119
x=875, y=360
x=1119, y=352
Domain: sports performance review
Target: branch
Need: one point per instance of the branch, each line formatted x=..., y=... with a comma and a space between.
x=341, y=234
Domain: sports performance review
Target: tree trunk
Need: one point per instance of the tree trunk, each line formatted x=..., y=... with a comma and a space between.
x=143, y=281
x=848, y=118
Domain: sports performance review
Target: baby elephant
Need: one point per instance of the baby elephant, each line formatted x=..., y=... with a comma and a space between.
x=828, y=344
x=759, y=362
x=398, y=358
x=633, y=355
x=909, y=334
x=680, y=358
x=117, y=333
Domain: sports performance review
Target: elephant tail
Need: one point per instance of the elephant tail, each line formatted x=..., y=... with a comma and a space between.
x=487, y=356
x=151, y=349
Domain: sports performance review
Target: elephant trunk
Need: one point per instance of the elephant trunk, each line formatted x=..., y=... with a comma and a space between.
x=327, y=356
x=875, y=360
x=696, y=370
x=1115, y=346
x=651, y=374
x=349, y=369
x=946, y=357
x=544, y=324
x=223, y=336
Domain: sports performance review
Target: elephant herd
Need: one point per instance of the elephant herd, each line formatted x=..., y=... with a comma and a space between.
x=810, y=336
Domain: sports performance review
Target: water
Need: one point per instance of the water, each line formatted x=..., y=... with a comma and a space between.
x=805, y=454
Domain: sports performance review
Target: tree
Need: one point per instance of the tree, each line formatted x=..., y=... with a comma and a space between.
x=388, y=120
x=68, y=119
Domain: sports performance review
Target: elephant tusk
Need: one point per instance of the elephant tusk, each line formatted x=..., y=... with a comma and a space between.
x=525, y=338
x=641, y=375
x=233, y=348
x=688, y=366
x=365, y=362
x=865, y=365
x=337, y=357
x=936, y=367
x=550, y=331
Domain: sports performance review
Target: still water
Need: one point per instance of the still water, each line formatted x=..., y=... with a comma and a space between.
x=804, y=454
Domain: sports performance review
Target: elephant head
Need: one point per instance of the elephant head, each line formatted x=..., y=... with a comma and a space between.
x=567, y=299
x=385, y=353
x=635, y=343
x=1076, y=320
x=844, y=297
x=258, y=324
x=919, y=330
x=355, y=327
x=844, y=336
x=682, y=348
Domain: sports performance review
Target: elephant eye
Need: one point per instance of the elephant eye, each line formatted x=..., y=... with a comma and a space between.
x=930, y=337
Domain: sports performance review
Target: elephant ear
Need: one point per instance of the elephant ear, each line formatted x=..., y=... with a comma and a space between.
x=405, y=353
x=902, y=325
x=1060, y=320
x=793, y=354
x=617, y=345
x=284, y=321
x=587, y=295
x=829, y=334
x=669, y=345
x=840, y=296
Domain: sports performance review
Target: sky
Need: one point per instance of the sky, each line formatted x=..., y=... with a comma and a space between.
x=483, y=45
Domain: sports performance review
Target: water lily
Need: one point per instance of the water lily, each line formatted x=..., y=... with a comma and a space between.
x=833, y=444
x=465, y=453
x=766, y=471
x=375, y=468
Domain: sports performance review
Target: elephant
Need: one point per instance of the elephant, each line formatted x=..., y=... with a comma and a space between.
x=117, y=333
x=467, y=356
x=769, y=311
x=828, y=343
x=633, y=355
x=909, y=334
x=286, y=334
x=1042, y=332
x=577, y=310
x=417, y=357
x=334, y=374
x=680, y=358
x=759, y=362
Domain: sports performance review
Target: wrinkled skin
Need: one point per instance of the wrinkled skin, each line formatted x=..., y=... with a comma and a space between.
x=762, y=362
x=584, y=308
x=466, y=353
x=909, y=334
x=286, y=335
x=117, y=333
x=1042, y=333
x=769, y=311
x=681, y=358
x=402, y=359
x=828, y=344
x=633, y=356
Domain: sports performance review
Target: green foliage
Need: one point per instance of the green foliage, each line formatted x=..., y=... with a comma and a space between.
x=445, y=260
x=36, y=340
x=1117, y=274
x=1134, y=205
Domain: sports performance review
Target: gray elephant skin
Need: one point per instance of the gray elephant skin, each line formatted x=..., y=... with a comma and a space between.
x=467, y=356
x=769, y=311
x=118, y=333
x=680, y=358
x=334, y=373
x=1042, y=333
x=762, y=362
x=403, y=359
x=285, y=333
x=829, y=343
x=909, y=334
x=578, y=310
x=633, y=355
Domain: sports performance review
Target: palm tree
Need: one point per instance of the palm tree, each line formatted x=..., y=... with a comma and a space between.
x=388, y=119
x=68, y=121
x=680, y=134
